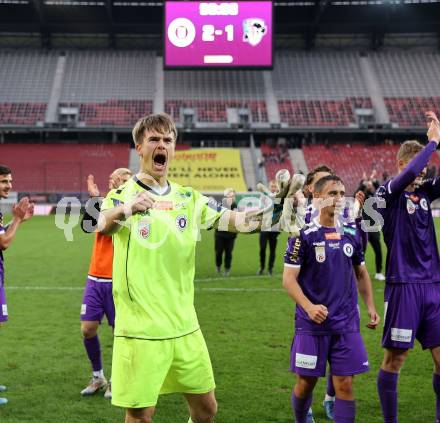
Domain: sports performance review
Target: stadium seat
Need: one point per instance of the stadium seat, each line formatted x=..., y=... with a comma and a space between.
x=63, y=167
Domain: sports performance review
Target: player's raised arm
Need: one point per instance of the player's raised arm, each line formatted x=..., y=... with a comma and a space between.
x=110, y=220
x=270, y=212
x=410, y=171
x=366, y=291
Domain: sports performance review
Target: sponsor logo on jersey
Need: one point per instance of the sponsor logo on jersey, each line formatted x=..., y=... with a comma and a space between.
x=185, y=194
x=295, y=252
x=305, y=361
x=320, y=254
x=319, y=244
x=144, y=229
x=410, y=206
x=333, y=236
x=348, y=249
x=401, y=335
x=116, y=202
x=424, y=204
x=334, y=245
x=163, y=205
x=181, y=222
x=182, y=205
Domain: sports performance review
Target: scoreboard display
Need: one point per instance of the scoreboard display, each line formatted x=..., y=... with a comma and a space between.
x=218, y=35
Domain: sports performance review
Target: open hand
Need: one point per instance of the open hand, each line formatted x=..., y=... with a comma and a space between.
x=92, y=188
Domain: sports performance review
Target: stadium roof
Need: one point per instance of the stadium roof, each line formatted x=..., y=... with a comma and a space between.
x=375, y=17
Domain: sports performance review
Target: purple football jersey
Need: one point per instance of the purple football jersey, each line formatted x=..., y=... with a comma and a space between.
x=325, y=257
x=408, y=227
x=2, y=269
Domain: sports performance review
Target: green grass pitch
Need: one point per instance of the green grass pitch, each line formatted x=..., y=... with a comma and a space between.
x=247, y=321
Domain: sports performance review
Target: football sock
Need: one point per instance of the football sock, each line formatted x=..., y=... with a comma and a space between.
x=344, y=411
x=301, y=407
x=387, y=388
x=93, y=349
x=436, y=386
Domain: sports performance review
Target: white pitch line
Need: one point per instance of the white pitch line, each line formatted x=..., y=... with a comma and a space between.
x=213, y=279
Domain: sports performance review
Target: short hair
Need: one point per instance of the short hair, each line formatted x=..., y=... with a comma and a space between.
x=5, y=170
x=159, y=122
x=312, y=173
x=408, y=150
x=321, y=183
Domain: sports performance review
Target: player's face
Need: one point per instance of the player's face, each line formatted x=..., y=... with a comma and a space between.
x=5, y=185
x=273, y=187
x=156, y=151
x=332, y=197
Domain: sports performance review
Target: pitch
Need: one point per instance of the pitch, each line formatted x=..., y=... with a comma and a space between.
x=247, y=321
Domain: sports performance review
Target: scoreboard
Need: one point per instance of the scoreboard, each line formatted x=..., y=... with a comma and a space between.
x=218, y=35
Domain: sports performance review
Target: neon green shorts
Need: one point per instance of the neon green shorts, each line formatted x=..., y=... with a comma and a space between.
x=144, y=369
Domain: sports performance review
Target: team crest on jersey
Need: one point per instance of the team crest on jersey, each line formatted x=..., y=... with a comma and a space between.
x=320, y=254
x=424, y=204
x=410, y=206
x=181, y=222
x=348, y=249
x=144, y=229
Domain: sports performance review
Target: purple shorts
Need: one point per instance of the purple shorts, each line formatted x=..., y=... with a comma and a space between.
x=412, y=311
x=3, y=305
x=97, y=301
x=345, y=353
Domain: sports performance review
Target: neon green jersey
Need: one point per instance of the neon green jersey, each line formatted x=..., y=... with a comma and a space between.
x=154, y=261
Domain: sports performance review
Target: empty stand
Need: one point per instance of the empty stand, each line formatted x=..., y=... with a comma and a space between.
x=409, y=111
x=321, y=112
x=22, y=113
x=409, y=84
x=210, y=93
x=112, y=112
x=216, y=110
x=62, y=167
x=25, y=83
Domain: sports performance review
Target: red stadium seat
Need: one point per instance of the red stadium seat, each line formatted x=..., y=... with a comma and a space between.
x=351, y=161
x=62, y=167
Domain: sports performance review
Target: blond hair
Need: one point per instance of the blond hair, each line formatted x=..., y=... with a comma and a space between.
x=158, y=122
x=408, y=150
